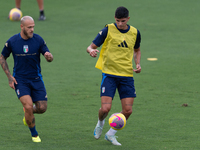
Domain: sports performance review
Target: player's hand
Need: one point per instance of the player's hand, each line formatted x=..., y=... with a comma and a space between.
x=94, y=52
x=138, y=69
x=12, y=82
x=48, y=56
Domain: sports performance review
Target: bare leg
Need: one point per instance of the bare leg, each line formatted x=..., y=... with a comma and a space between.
x=41, y=8
x=106, y=103
x=40, y=107
x=40, y=4
x=27, y=103
x=17, y=3
x=127, y=104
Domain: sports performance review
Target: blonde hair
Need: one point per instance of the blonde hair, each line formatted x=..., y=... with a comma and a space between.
x=23, y=19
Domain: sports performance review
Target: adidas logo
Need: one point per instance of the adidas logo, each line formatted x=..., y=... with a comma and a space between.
x=123, y=44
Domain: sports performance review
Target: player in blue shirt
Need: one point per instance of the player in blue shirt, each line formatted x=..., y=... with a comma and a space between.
x=26, y=80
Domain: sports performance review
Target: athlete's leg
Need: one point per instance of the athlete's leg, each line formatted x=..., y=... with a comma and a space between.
x=127, y=94
x=39, y=97
x=106, y=103
x=126, y=110
x=127, y=104
x=27, y=103
x=40, y=4
x=17, y=3
x=41, y=8
x=108, y=88
x=40, y=107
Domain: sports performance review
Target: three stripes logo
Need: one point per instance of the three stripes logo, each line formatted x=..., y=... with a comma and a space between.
x=123, y=44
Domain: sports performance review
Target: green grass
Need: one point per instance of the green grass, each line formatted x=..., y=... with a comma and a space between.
x=170, y=32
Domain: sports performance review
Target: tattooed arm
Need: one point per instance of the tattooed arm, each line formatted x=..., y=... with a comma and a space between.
x=4, y=65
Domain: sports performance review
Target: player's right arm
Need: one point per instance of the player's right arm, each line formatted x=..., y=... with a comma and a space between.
x=4, y=65
x=92, y=50
x=97, y=42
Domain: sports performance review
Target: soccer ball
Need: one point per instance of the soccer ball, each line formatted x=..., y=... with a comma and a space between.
x=117, y=121
x=15, y=14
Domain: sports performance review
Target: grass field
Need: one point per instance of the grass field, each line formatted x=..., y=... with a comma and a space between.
x=170, y=32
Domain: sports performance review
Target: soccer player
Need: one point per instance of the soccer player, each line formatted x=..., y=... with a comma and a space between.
x=121, y=42
x=26, y=80
x=40, y=5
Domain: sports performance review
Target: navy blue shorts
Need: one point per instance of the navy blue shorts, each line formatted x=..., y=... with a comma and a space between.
x=125, y=86
x=35, y=88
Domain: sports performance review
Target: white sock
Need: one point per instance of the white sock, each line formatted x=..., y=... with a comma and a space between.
x=101, y=123
x=111, y=132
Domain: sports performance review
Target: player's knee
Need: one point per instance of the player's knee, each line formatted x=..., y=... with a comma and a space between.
x=105, y=110
x=130, y=112
x=28, y=108
x=42, y=109
x=127, y=112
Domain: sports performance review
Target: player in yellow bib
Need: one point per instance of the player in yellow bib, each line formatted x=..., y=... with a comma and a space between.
x=121, y=43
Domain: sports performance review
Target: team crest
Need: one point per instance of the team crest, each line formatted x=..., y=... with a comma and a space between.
x=25, y=48
x=18, y=93
x=103, y=90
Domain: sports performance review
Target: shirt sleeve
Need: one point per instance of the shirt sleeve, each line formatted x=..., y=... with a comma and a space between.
x=7, y=49
x=43, y=47
x=101, y=36
x=138, y=40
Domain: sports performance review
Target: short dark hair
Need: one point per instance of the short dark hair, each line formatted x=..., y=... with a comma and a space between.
x=121, y=12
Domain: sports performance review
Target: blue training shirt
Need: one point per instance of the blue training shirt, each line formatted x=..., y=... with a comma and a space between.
x=100, y=38
x=26, y=55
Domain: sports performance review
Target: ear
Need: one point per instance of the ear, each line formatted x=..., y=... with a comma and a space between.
x=21, y=26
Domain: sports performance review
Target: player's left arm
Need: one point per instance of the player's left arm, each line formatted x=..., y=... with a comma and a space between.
x=48, y=56
x=137, y=53
x=45, y=51
x=137, y=57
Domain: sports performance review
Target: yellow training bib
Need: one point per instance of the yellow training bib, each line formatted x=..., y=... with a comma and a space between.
x=117, y=52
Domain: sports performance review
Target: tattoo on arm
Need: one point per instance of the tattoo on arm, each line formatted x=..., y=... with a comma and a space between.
x=4, y=65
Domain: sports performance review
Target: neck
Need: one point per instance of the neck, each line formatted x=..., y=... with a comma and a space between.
x=126, y=27
x=23, y=36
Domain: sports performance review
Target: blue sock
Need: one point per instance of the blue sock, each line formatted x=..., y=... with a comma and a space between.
x=34, y=133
